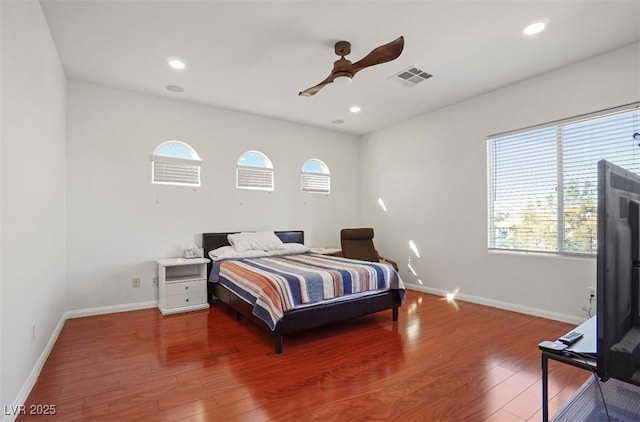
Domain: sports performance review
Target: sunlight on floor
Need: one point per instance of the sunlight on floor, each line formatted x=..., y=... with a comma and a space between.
x=451, y=298
x=413, y=331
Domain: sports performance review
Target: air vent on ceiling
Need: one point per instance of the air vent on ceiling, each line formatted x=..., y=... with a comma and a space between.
x=410, y=76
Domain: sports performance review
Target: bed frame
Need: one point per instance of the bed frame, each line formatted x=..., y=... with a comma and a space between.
x=297, y=319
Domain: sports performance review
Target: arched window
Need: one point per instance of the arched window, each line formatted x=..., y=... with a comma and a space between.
x=175, y=163
x=254, y=171
x=315, y=177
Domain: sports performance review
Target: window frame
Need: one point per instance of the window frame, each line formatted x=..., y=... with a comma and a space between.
x=560, y=179
x=246, y=172
x=183, y=171
x=308, y=179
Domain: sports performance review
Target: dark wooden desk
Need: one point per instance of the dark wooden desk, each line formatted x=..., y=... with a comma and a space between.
x=581, y=354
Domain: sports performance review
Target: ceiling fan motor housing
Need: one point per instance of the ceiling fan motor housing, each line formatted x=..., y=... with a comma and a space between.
x=342, y=67
x=343, y=48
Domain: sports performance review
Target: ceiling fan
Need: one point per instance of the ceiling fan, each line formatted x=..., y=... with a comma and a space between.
x=344, y=70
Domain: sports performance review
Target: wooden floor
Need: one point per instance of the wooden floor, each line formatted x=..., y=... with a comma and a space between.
x=439, y=362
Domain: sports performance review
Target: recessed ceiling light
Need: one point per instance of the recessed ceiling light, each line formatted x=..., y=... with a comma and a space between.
x=177, y=64
x=355, y=109
x=175, y=88
x=535, y=28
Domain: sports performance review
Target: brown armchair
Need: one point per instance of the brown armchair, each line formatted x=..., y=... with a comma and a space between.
x=358, y=244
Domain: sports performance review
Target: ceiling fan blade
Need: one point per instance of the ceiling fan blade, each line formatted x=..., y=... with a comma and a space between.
x=314, y=89
x=384, y=53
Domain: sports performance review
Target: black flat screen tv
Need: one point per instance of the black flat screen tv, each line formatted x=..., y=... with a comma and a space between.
x=618, y=267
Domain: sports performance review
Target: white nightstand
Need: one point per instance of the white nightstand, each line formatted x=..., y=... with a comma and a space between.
x=182, y=285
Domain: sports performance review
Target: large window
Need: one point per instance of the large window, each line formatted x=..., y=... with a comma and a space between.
x=315, y=177
x=254, y=171
x=542, y=193
x=175, y=163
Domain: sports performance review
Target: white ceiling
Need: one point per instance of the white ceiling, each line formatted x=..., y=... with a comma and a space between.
x=256, y=56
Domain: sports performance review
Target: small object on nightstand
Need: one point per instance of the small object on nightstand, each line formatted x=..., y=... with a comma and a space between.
x=194, y=252
x=182, y=285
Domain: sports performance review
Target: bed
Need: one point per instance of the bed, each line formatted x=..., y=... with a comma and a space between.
x=304, y=318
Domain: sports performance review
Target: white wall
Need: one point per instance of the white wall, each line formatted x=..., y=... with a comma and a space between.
x=119, y=223
x=431, y=173
x=79, y=217
x=32, y=179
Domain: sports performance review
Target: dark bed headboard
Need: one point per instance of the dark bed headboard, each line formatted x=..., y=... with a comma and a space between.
x=211, y=241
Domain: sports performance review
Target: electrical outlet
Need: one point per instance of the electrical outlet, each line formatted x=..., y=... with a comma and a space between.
x=590, y=306
x=135, y=282
x=155, y=281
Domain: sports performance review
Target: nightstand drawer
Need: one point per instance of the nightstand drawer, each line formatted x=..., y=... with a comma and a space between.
x=195, y=286
x=177, y=301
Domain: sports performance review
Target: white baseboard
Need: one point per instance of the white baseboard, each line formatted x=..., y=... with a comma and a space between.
x=79, y=313
x=571, y=319
x=35, y=372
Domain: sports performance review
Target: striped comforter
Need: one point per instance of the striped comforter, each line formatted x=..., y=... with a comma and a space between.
x=275, y=285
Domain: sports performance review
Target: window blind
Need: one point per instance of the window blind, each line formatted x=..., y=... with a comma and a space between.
x=542, y=183
x=175, y=171
x=249, y=177
x=315, y=182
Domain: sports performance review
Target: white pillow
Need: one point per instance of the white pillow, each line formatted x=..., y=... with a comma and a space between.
x=289, y=248
x=245, y=241
x=227, y=252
